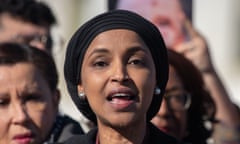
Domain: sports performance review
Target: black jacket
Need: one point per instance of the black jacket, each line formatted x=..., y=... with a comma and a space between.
x=64, y=128
x=155, y=137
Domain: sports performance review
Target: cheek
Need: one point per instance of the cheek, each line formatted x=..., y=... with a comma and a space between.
x=94, y=87
x=93, y=84
x=145, y=83
x=145, y=79
x=4, y=128
x=43, y=116
x=5, y=36
x=181, y=117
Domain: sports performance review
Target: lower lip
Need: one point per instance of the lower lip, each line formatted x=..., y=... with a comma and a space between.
x=121, y=104
x=24, y=140
x=166, y=130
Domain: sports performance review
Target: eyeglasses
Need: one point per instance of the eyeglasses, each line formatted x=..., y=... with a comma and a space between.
x=178, y=102
x=28, y=39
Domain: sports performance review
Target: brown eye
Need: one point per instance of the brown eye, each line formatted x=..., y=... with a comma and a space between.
x=4, y=102
x=136, y=62
x=100, y=64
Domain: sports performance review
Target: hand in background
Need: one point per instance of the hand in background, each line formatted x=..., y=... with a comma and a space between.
x=196, y=49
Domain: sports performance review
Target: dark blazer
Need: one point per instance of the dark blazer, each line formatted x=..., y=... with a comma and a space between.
x=155, y=136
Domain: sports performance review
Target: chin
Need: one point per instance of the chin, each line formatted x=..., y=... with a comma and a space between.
x=119, y=122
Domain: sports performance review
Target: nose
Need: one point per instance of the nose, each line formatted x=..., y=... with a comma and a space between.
x=119, y=73
x=19, y=114
x=164, y=110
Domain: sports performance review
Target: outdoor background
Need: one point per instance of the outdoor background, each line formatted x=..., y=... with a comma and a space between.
x=217, y=20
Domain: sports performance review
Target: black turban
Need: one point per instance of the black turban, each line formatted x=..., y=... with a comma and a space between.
x=116, y=19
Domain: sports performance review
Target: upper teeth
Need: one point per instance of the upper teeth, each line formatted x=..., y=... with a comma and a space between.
x=120, y=95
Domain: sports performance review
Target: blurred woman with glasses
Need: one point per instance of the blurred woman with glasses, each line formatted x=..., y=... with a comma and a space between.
x=186, y=104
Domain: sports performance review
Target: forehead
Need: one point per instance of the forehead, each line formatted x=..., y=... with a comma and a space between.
x=20, y=73
x=16, y=25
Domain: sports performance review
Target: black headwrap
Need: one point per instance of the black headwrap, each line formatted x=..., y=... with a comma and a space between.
x=116, y=19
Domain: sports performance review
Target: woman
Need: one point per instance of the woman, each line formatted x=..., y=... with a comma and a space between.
x=116, y=71
x=186, y=103
x=29, y=98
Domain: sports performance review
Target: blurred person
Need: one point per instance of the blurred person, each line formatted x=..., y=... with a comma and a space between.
x=26, y=22
x=29, y=98
x=198, y=52
x=187, y=106
x=181, y=36
x=116, y=76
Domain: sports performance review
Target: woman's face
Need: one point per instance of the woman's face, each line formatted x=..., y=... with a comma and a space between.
x=27, y=106
x=118, y=77
x=172, y=118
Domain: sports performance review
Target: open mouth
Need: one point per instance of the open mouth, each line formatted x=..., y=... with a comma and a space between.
x=120, y=96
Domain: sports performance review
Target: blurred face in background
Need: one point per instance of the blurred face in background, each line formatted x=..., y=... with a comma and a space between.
x=172, y=115
x=16, y=30
x=27, y=105
x=167, y=15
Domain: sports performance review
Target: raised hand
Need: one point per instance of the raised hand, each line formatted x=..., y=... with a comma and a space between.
x=196, y=49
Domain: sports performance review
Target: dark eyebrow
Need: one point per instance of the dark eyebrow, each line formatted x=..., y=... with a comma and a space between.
x=137, y=48
x=99, y=50
x=130, y=50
